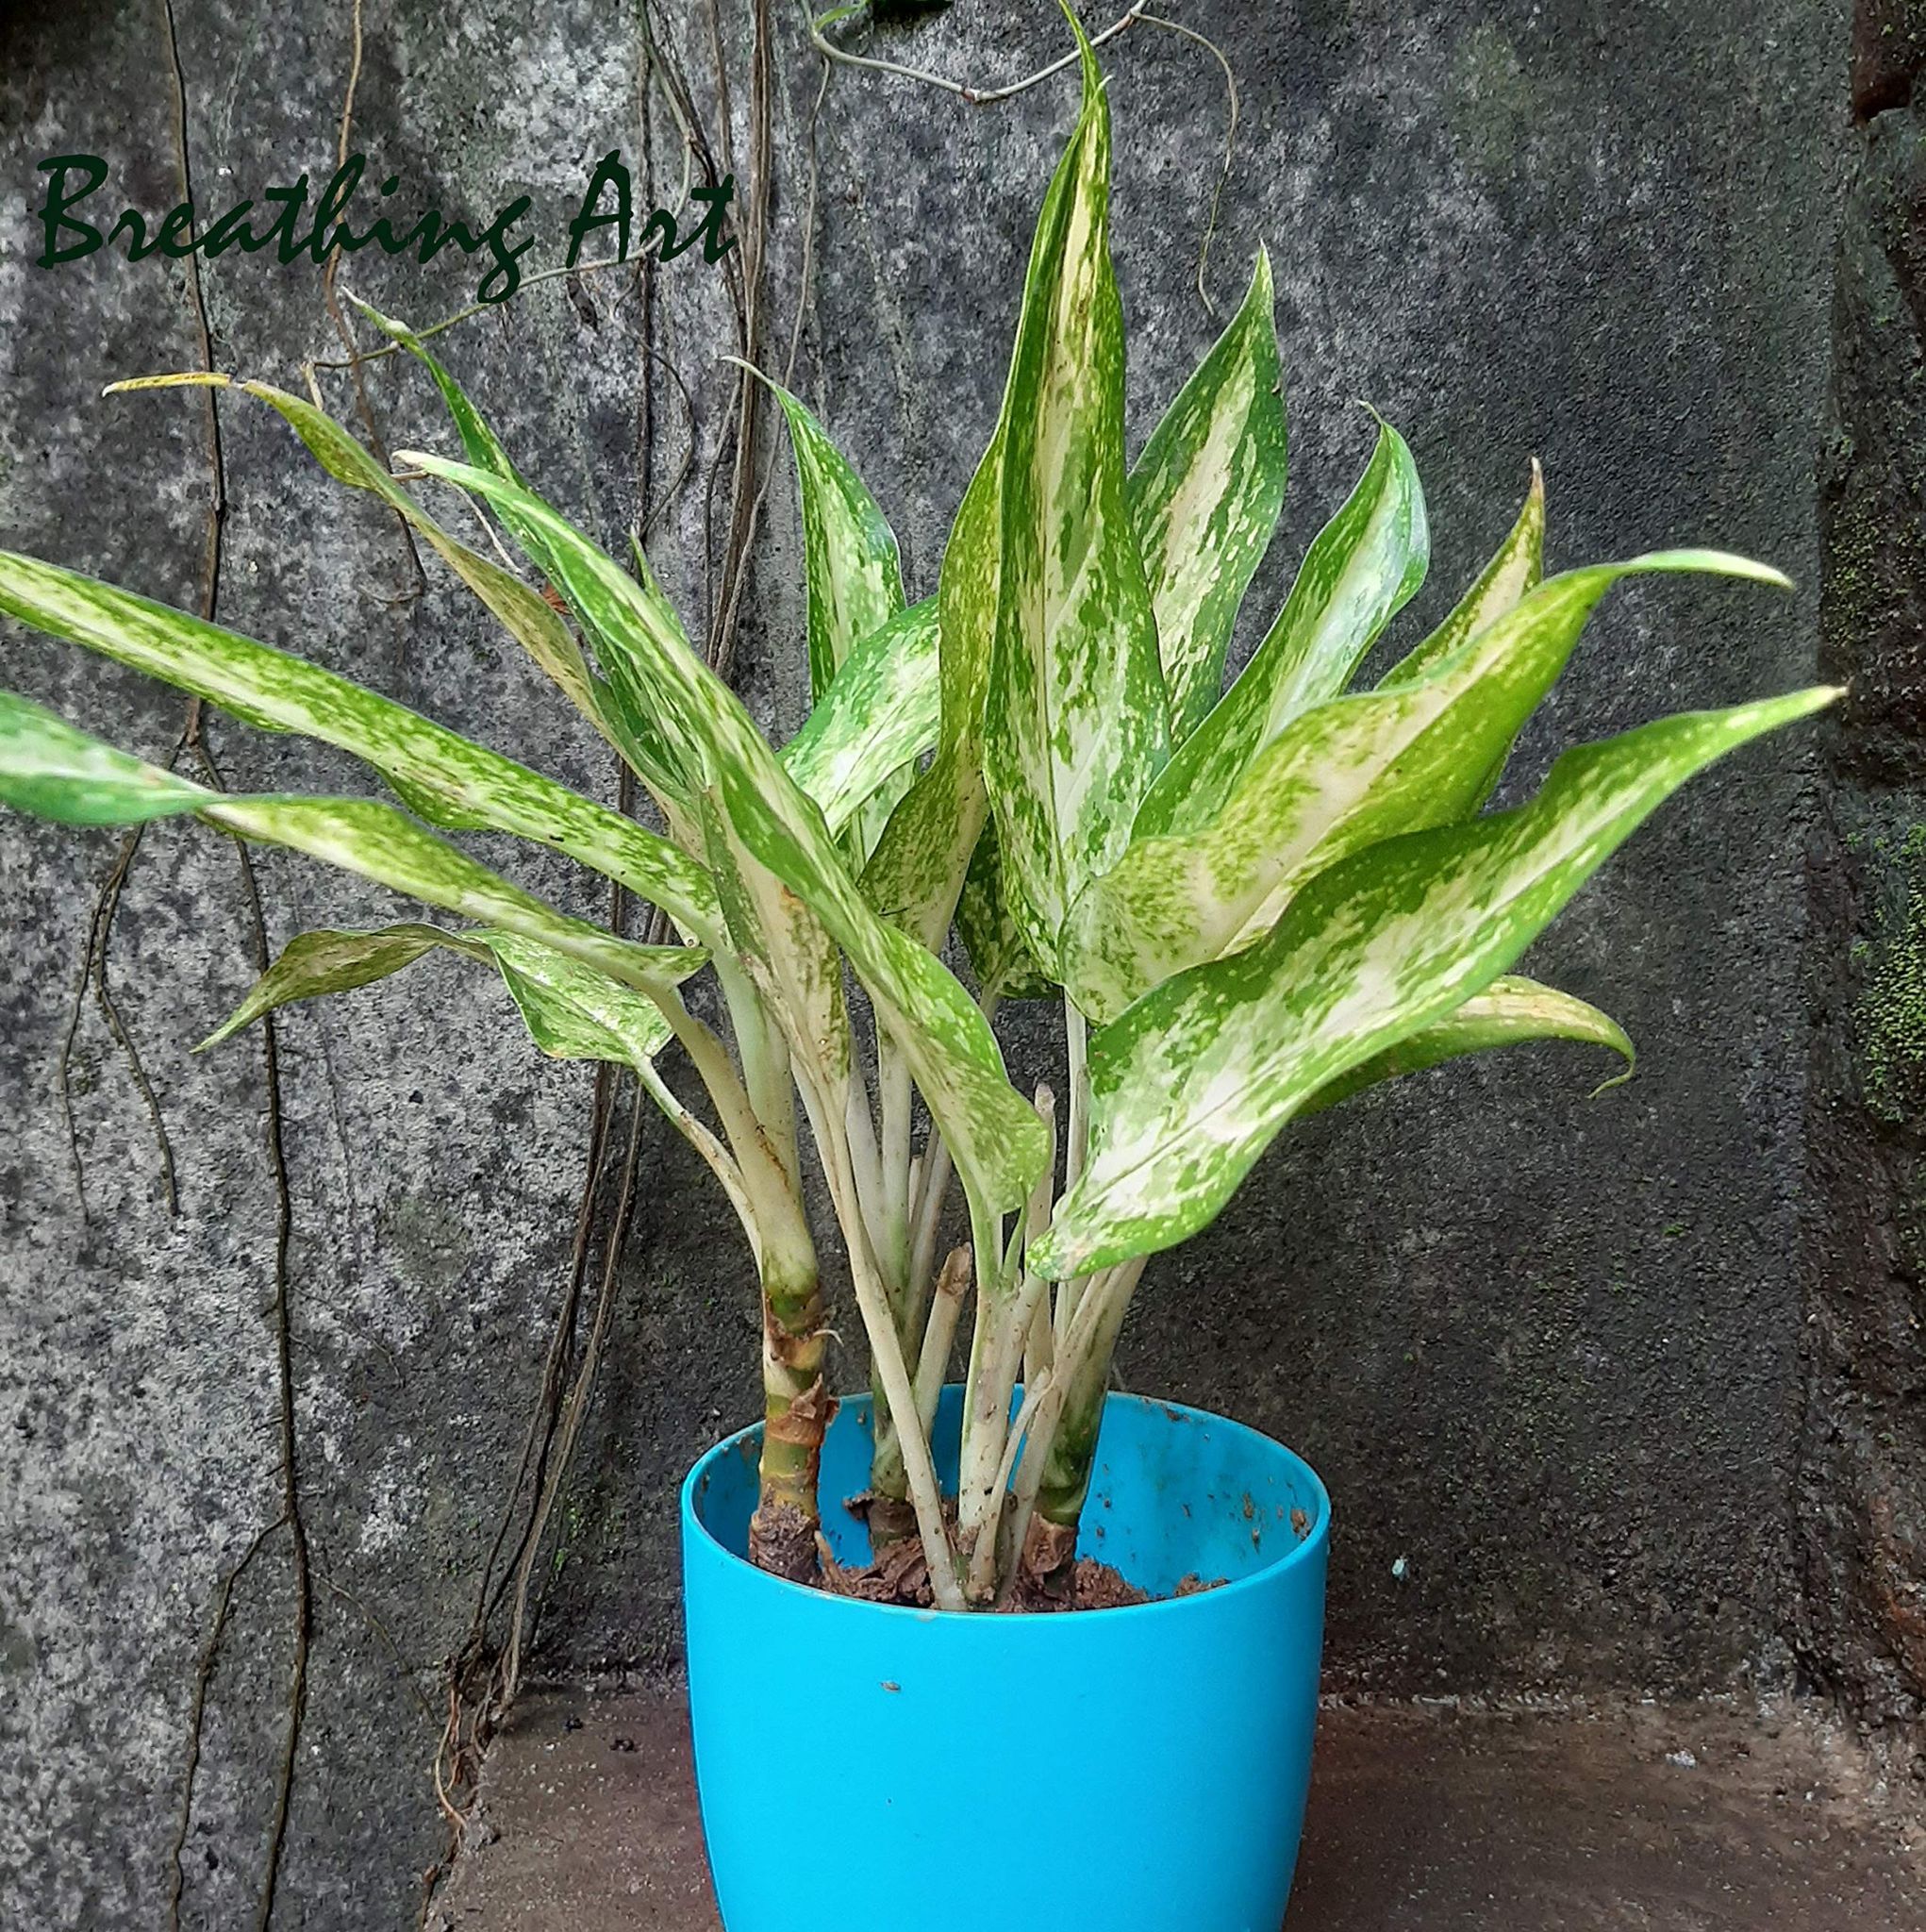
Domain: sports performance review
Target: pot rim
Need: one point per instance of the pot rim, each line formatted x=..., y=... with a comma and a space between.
x=1303, y=1550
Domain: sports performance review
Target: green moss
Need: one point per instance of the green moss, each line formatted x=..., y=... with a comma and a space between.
x=1870, y=557
x=1491, y=105
x=1889, y=1020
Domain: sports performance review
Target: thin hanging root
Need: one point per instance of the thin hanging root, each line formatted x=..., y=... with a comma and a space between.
x=1204, y=40
x=204, y=1676
x=976, y=96
x=93, y=974
x=330, y=274
x=191, y=743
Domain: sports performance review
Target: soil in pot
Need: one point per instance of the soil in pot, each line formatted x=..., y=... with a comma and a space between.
x=900, y=1574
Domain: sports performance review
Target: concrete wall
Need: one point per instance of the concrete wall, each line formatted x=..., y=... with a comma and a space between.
x=1862, y=1495
x=1546, y=1351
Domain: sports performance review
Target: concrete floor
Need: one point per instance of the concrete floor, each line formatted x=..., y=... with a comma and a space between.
x=1434, y=1819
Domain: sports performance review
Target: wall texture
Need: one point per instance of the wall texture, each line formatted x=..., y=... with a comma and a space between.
x=1546, y=1351
x=1862, y=1494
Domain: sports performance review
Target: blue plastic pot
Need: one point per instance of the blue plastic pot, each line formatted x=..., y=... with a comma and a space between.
x=1139, y=1769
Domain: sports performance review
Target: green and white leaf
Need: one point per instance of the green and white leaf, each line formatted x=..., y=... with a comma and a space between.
x=1003, y=963
x=852, y=568
x=1510, y=1011
x=572, y=1011
x=1338, y=777
x=1205, y=496
x=49, y=768
x=448, y=778
x=329, y=961
x=1194, y=1080
x=634, y=730
x=1076, y=721
x=852, y=576
x=1515, y=568
x=1365, y=563
x=992, y=1132
x=882, y=711
x=915, y=875
x=521, y=610
x=787, y=950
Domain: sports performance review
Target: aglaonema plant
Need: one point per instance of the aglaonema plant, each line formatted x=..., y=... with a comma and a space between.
x=1248, y=904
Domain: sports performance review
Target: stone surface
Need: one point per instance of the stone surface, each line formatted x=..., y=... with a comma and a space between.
x=1546, y=1351
x=1863, y=1481
x=1702, y=1818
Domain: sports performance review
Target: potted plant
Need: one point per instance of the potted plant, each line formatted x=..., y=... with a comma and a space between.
x=1246, y=905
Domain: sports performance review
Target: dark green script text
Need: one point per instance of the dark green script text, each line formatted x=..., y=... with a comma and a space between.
x=285, y=220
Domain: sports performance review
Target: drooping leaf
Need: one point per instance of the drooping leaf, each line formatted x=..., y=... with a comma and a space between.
x=1338, y=777
x=1076, y=720
x=1205, y=496
x=991, y=1130
x=1194, y=1080
x=637, y=732
x=521, y=610
x=1365, y=563
x=1510, y=1011
x=572, y=1011
x=329, y=961
x=448, y=778
x=51, y=769
x=55, y=773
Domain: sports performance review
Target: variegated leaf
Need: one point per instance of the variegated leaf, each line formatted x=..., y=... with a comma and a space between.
x=1205, y=496
x=329, y=961
x=1515, y=569
x=448, y=778
x=573, y=1012
x=49, y=768
x=991, y=1130
x=1510, y=1011
x=881, y=712
x=1364, y=566
x=1076, y=721
x=787, y=950
x=916, y=873
x=636, y=732
x=853, y=578
x=1003, y=963
x=1194, y=1080
x=521, y=610
x=854, y=575
x=1339, y=776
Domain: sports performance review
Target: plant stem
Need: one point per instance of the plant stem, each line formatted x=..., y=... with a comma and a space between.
x=886, y=1349
x=763, y=1182
x=1075, y=1146
x=1083, y=1361
x=1006, y=1307
x=940, y=1334
x=928, y=1207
